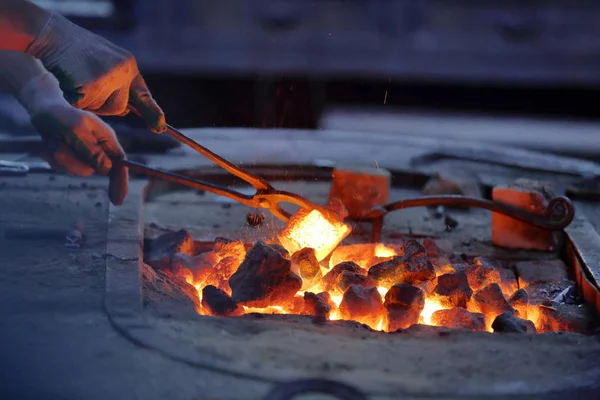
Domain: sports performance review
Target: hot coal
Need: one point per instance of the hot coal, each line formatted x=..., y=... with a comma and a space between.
x=417, y=269
x=453, y=290
x=217, y=303
x=264, y=278
x=402, y=270
x=403, y=305
x=306, y=265
x=508, y=281
x=459, y=318
x=160, y=253
x=483, y=272
x=348, y=278
x=509, y=323
x=520, y=301
x=362, y=304
x=330, y=279
x=280, y=249
x=387, y=273
x=317, y=305
x=221, y=273
x=440, y=261
x=490, y=301
x=413, y=249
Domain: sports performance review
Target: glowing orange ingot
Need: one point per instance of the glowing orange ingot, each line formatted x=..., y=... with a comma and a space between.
x=312, y=229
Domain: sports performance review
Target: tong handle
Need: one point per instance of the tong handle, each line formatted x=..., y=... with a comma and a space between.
x=257, y=182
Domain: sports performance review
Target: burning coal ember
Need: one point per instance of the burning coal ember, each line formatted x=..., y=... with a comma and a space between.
x=388, y=286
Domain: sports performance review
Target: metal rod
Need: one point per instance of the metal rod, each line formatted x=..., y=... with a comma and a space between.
x=559, y=212
x=256, y=181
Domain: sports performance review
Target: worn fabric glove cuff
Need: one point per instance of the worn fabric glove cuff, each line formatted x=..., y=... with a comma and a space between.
x=63, y=42
x=17, y=70
x=40, y=93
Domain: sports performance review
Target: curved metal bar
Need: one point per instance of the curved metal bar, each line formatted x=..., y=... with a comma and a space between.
x=289, y=390
x=559, y=212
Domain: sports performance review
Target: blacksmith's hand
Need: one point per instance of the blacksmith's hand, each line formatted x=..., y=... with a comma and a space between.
x=94, y=74
x=77, y=142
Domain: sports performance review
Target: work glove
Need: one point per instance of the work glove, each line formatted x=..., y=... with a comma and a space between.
x=95, y=74
x=76, y=142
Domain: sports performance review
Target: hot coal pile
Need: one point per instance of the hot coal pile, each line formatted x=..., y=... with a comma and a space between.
x=387, y=286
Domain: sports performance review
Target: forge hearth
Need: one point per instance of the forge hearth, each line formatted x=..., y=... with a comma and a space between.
x=312, y=267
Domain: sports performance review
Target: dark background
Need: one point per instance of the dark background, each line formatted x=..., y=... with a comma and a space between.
x=281, y=63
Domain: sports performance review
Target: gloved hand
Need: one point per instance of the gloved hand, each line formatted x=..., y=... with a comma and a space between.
x=77, y=142
x=94, y=74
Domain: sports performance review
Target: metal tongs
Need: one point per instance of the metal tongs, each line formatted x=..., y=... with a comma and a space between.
x=266, y=196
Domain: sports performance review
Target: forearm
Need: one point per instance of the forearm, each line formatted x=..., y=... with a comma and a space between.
x=20, y=23
x=17, y=71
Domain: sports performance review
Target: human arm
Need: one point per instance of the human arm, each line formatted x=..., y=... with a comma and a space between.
x=20, y=23
x=76, y=142
x=94, y=74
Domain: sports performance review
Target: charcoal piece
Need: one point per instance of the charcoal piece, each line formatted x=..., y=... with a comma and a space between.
x=217, y=303
x=326, y=297
x=417, y=269
x=405, y=296
x=316, y=305
x=509, y=323
x=362, y=305
x=306, y=265
x=194, y=269
x=541, y=271
x=402, y=270
x=442, y=265
x=387, y=273
x=458, y=262
x=432, y=250
x=427, y=286
x=282, y=250
x=348, y=278
x=221, y=273
x=508, y=282
x=162, y=249
x=490, y=301
x=459, y=318
x=331, y=277
x=264, y=278
x=403, y=305
x=411, y=248
x=453, y=290
x=520, y=301
x=297, y=305
x=482, y=273
x=235, y=249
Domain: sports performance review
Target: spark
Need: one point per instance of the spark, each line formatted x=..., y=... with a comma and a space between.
x=385, y=97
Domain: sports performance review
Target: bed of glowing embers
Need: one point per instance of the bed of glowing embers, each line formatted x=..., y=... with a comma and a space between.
x=305, y=271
